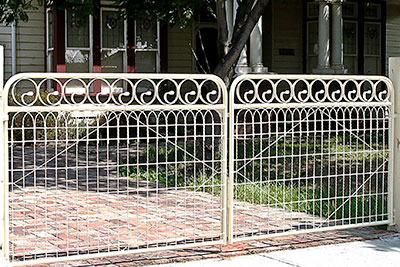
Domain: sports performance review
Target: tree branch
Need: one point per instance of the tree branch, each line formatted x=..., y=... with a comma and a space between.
x=244, y=25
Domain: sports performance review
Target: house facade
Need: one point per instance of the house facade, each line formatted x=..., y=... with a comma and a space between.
x=293, y=36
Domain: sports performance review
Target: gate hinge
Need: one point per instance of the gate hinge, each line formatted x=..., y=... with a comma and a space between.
x=6, y=117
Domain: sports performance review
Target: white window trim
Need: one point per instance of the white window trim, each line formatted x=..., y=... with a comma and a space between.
x=124, y=49
x=49, y=49
x=90, y=48
x=157, y=50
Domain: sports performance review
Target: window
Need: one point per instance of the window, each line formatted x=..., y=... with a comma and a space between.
x=372, y=11
x=113, y=42
x=312, y=10
x=350, y=45
x=104, y=42
x=312, y=45
x=78, y=50
x=372, y=48
x=147, y=33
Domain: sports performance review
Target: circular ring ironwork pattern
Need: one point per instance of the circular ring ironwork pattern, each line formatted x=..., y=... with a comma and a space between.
x=50, y=90
x=250, y=89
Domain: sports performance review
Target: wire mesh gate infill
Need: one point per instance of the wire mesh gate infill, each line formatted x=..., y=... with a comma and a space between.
x=97, y=174
x=310, y=153
x=138, y=171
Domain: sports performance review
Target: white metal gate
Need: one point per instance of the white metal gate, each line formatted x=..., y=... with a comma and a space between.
x=107, y=164
x=309, y=153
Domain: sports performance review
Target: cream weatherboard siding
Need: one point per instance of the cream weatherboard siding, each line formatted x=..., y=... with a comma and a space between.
x=5, y=40
x=30, y=44
x=180, y=58
x=287, y=21
x=392, y=31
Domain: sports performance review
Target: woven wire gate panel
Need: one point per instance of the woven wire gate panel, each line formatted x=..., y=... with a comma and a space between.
x=93, y=173
x=310, y=153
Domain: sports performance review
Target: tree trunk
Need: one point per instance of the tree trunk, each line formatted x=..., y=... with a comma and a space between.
x=246, y=19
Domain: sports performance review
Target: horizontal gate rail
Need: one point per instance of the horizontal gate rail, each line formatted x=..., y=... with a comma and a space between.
x=309, y=153
x=104, y=164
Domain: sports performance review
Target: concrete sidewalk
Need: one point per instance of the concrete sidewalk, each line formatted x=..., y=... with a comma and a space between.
x=384, y=251
x=379, y=247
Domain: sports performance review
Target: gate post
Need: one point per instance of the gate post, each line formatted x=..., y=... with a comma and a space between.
x=3, y=234
x=394, y=75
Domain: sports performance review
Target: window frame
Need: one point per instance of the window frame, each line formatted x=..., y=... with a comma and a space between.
x=90, y=48
x=49, y=50
x=123, y=50
x=157, y=50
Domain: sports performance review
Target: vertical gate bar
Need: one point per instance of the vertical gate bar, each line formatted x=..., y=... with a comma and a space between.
x=394, y=173
x=231, y=155
x=391, y=146
x=224, y=174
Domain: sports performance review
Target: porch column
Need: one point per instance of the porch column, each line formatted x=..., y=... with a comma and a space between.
x=337, y=37
x=242, y=65
x=256, y=49
x=323, y=38
x=229, y=17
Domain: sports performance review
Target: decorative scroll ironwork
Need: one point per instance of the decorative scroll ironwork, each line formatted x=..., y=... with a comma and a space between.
x=123, y=90
x=306, y=89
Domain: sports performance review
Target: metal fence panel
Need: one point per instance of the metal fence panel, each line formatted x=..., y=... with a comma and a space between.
x=92, y=173
x=309, y=153
x=108, y=164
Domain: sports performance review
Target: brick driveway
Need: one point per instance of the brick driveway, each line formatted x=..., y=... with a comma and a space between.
x=80, y=205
